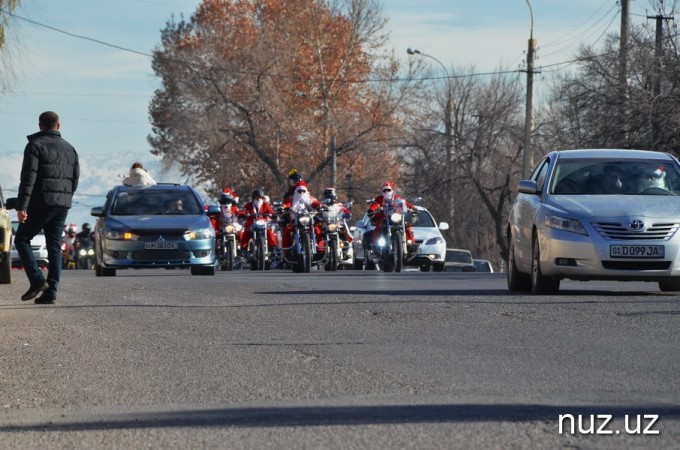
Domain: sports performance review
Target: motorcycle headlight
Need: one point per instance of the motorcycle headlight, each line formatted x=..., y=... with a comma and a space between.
x=396, y=217
x=199, y=234
x=82, y=252
x=90, y=252
x=121, y=235
x=561, y=223
x=434, y=241
x=304, y=220
x=229, y=229
x=381, y=242
x=332, y=227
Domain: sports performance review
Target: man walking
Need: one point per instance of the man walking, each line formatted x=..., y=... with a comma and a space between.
x=49, y=177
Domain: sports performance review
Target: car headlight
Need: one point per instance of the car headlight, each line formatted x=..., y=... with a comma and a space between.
x=561, y=223
x=121, y=235
x=199, y=234
x=82, y=252
x=434, y=241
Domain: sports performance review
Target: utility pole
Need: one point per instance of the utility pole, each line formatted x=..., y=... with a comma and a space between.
x=623, y=70
x=658, y=50
x=527, y=159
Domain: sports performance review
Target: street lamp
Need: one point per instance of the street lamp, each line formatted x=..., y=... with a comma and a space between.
x=448, y=130
x=529, y=114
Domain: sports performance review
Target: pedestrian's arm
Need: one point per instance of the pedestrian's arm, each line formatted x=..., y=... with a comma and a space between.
x=29, y=173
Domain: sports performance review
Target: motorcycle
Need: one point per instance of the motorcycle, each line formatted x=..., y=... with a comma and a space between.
x=260, y=256
x=84, y=249
x=332, y=224
x=303, y=248
x=227, y=241
x=390, y=250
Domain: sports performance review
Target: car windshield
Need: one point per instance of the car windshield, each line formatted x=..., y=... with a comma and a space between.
x=597, y=176
x=458, y=257
x=145, y=202
x=422, y=219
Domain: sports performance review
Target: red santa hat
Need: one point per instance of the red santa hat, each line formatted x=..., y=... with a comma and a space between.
x=300, y=183
x=388, y=184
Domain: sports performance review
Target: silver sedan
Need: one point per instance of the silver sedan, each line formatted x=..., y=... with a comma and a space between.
x=596, y=215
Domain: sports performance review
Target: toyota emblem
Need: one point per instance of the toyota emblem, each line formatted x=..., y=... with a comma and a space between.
x=636, y=225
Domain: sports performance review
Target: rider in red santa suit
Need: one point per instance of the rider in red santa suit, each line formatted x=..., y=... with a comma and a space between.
x=377, y=215
x=257, y=208
x=300, y=200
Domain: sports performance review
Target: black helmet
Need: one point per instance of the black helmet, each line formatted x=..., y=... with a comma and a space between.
x=86, y=226
x=293, y=177
x=257, y=193
x=226, y=199
x=329, y=196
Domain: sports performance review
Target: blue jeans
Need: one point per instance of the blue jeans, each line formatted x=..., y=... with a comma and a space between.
x=51, y=221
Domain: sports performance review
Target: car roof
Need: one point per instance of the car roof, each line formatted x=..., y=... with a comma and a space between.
x=155, y=187
x=611, y=154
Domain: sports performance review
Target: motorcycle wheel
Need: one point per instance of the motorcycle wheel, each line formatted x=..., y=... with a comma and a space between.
x=306, y=254
x=397, y=252
x=229, y=257
x=332, y=264
x=261, y=256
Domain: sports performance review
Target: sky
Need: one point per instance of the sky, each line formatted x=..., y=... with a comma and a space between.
x=102, y=93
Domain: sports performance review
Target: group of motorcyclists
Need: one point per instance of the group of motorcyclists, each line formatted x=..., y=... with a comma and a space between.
x=297, y=215
x=296, y=232
x=77, y=247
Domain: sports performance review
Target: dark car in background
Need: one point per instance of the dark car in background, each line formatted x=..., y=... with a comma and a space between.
x=459, y=260
x=483, y=265
x=164, y=225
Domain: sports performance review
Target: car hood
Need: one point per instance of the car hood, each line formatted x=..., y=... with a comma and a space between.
x=155, y=222
x=583, y=206
x=425, y=233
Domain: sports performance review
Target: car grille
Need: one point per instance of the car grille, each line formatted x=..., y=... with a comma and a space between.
x=616, y=231
x=636, y=265
x=160, y=255
x=166, y=237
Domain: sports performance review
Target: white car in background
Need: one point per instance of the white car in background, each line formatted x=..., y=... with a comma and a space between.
x=38, y=245
x=427, y=233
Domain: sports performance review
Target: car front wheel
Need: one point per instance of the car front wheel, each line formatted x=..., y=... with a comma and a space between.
x=517, y=281
x=541, y=284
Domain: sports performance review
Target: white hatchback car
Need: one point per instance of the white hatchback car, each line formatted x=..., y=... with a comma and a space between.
x=38, y=245
x=427, y=233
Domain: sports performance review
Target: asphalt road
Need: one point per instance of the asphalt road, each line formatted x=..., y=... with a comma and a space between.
x=161, y=359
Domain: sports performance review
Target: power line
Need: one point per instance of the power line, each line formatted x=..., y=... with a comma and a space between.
x=296, y=78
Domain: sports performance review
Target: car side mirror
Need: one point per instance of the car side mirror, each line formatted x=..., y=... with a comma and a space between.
x=213, y=210
x=528, y=187
x=443, y=226
x=11, y=203
x=97, y=211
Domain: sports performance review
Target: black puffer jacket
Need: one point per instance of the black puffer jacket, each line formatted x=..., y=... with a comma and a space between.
x=50, y=172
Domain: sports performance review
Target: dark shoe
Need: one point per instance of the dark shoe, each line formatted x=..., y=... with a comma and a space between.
x=45, y=299
x=34, y=291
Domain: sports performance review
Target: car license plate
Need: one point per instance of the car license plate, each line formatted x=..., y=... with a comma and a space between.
x=161, y=245
x=636, y=251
